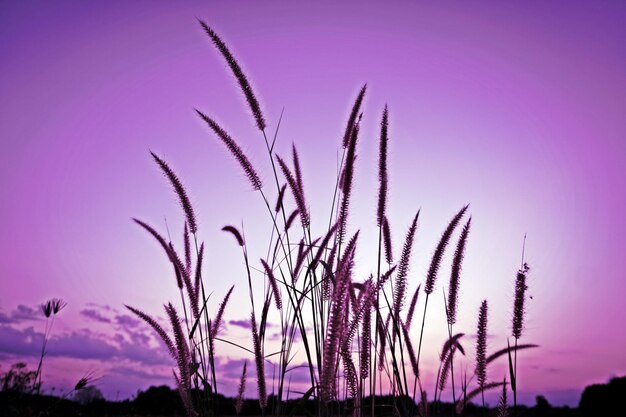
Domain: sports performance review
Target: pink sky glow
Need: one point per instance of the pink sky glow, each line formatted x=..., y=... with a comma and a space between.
x=516, y=109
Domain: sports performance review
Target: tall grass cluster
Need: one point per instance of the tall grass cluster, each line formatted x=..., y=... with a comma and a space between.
x=357, y=335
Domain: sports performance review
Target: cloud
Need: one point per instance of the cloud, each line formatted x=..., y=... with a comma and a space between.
x=94, y=315
x=232, y=368
x=85, y=344
x=25, y=342
x=299, y=373
x=547, y=369
x=245, y=324
x=104, y=307
x=133, y=372
x=20, y=314
x=126, y=321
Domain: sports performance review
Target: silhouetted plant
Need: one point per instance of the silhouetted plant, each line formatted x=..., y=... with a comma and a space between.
x=312, y=289
x=49, y=309
x=19, y=379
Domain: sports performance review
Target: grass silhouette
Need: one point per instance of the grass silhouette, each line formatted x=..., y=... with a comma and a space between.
x=358, y=338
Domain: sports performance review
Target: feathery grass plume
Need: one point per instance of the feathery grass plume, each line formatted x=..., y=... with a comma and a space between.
x=296, y=167
x=52, y=307
x=156, y=235
x=411, y=312
x=366, y=342
x=83, y=383
x=46, y=308
x=178, y=269
x=350, y=375
x=273, y=285
x=518, y=303
x=300, y=249
x=187, y=249
x=518, y=321
x=235, y=150
x=455, y=275
x=180, y=192
x=196, y=285
x=352, y=120
x=279, y=200
x=260, y=367
x=384, y=277
x=366, y=299
x=362, y=315
x=504, y=351
x=183, y=358
x=291, y=218
x=334, y=330
x=403, y=270
x=353, y=299
x=409, y=347
x=217, y=324
x=439, y=251
x=185, y=398
x=341, y=180
x=382, y=332
x=446, y=362
x=387, y=241
x=382, y=169
x=233, y=231
x=481, y=345
x=182, y=273
x=302, y=257
x=241, y=390
x=346, y=262
x=49, y=309
x=503, y=408
x=452, y=341
x=57, y=305
x=168, y=248
x=264, y=313
x=182, y=276
x=361, y=288
x=239, y=75
x=157, y=328
x=348, y=176
x=297, y=193
x=349, y=331
x=327, y=277
x=180, y=343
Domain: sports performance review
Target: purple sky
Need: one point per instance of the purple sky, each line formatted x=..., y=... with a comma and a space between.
x=518, y=110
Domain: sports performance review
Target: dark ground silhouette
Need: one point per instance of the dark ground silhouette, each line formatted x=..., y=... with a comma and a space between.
x=596, y=400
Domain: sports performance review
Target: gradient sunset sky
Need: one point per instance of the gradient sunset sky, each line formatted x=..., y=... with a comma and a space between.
x=517, y=109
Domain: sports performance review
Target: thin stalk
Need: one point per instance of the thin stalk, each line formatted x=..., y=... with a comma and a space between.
x=452, y=359
x=419, y=348
x=378, y=318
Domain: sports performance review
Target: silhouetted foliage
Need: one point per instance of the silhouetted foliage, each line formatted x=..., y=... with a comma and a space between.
x=158, y=401
x=597, y=400
x=18, y=378
x=603, y=399
x=542, y=404
x=88, y=395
